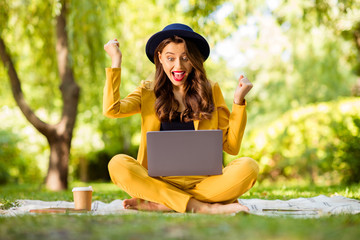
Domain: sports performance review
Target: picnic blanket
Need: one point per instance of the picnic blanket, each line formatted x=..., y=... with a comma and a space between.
x=300, y=207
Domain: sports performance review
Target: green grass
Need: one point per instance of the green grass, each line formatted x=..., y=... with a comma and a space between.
x=176, y=226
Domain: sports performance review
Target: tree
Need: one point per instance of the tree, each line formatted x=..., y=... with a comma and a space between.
x=342, y=17
x=58, y=135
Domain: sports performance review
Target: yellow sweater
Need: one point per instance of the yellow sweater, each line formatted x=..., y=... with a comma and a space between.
x=142, y=100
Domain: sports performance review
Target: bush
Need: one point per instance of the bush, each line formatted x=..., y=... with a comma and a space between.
x=318, y=142
x=14, y=166
x=347, y=149
x=4, y=175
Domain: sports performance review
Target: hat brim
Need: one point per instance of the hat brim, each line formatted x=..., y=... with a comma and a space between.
x=157, y=38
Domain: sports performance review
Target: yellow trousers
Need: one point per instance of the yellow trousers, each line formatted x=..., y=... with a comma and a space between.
x=175, y=192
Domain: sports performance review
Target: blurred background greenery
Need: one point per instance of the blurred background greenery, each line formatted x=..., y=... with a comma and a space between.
x=301, y=55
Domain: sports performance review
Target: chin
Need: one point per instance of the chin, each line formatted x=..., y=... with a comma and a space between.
x=178, y=83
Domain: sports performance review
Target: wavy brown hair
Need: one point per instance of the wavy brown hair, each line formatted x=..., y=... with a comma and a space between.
x=198, y=98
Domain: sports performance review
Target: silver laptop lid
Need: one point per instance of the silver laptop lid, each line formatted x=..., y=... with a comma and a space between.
x=184, y=153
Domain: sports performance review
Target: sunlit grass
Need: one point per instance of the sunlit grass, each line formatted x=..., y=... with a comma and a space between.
x=145, y=225
x=289, y=190
x=107, y=192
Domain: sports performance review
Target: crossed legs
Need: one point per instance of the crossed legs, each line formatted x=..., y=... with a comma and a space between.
x=213, y=194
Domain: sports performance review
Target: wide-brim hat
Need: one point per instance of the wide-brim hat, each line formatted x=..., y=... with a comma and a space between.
x=180, y=30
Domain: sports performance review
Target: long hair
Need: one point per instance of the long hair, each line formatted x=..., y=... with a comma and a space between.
x=198, y=98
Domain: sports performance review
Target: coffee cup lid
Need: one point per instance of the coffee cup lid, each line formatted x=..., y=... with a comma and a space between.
x=82, y=189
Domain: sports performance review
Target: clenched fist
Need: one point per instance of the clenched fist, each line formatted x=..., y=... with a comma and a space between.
x=243, y=87
x=112, y=49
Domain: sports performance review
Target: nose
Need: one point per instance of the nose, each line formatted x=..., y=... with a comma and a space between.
x=178, y=63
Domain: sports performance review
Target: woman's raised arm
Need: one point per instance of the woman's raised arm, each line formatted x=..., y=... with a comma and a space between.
x=112, y=49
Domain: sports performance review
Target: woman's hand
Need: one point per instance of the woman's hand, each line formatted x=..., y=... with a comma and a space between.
x=112, y=49
x=242, y=89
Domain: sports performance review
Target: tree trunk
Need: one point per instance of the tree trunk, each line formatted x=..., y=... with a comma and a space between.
x=58, y=164
x=60, y=140
x=59, y=135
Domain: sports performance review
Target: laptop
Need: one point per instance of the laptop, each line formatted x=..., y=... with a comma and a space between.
x=184, y=153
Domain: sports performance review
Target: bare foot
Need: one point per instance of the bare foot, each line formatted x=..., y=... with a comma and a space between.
x=140, y=204
x=215, y=208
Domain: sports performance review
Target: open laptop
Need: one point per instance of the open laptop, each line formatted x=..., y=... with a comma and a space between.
x=184, y=153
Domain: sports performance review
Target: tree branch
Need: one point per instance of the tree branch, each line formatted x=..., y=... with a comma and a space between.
x=41, y=126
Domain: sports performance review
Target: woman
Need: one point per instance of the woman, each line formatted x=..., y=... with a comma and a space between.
x=180, y=97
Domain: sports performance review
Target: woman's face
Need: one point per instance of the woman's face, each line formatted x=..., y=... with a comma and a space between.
x=175, y=63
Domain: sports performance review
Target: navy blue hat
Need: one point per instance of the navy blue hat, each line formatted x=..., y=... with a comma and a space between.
x=180, y=30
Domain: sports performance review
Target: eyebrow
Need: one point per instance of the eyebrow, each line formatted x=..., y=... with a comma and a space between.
x=174, y=53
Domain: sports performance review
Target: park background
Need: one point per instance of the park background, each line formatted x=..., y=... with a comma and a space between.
x=301, y=55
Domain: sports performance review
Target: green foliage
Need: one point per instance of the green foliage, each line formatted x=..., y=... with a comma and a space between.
x=6, y=204
x=15, y=167
x=23, y=152
x=4, y=175
x=319, y=142
x=300, y=53
x=7, y=151
x=292, y=66
x=29, y=33
x=346, y=149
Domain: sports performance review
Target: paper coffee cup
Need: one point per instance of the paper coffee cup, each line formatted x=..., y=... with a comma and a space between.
x=82, y=198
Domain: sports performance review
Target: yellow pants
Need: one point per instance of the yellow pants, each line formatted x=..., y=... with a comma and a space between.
x=175, y=192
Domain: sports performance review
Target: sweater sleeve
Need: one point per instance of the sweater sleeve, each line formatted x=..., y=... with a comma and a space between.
x=113, y=106
x=232, y=124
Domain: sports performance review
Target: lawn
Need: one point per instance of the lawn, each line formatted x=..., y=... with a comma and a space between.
x=176, y=226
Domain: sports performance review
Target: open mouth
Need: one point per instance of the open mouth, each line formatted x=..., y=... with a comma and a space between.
x=178, y=75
